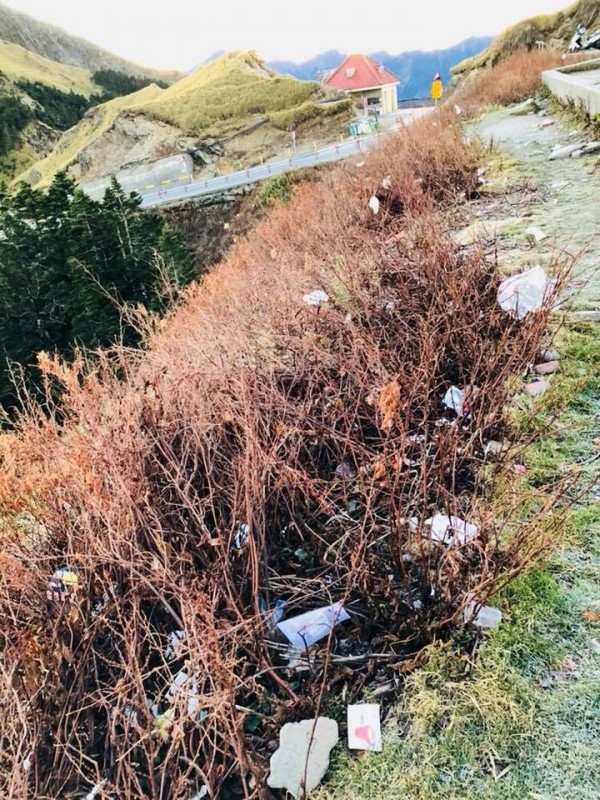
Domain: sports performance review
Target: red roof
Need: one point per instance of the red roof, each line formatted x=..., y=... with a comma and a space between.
x=359, y=72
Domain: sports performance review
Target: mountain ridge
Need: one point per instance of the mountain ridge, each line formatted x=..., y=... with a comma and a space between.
x=415, y=68
x=55, y=44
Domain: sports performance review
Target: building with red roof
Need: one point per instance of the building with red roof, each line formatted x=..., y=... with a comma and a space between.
x=369, y=84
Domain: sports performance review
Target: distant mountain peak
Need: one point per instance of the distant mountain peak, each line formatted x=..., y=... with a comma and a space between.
x=52, y=42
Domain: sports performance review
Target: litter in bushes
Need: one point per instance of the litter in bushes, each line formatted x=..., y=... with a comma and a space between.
x=521, y=294
x=482, y=616
x=454, y=399
x=306, y=629
x=62, y=586
x=450, y=530
x=316, y=298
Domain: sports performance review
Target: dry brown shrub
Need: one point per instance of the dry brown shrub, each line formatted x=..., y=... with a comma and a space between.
x=515, y=79
x=250, y=407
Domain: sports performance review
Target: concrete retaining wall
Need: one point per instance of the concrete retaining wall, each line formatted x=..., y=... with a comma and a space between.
x=161, y=174
x=578, y=85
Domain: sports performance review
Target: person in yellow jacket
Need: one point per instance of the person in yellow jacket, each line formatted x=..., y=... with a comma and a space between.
x=437, y=88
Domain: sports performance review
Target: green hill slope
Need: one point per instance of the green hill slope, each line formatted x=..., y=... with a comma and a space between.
x=95, y=123
x=19, y=64
x=228, y=93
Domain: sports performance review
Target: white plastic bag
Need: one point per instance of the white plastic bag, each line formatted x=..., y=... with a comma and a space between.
x=316, y=298
x=482, y=616
x=525, y=292
x=451, y=530
x=454, y=399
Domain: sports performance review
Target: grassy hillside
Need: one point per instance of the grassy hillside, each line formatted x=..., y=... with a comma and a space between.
x=553, y=29
x=17, y=63
x=95, y=123
x=52, y=42
x=217, y=101
x=228, y=93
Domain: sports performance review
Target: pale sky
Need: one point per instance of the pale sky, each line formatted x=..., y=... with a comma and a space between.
x=181, y=34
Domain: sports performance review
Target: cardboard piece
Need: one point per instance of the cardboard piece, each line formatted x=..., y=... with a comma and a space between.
x=364, y=727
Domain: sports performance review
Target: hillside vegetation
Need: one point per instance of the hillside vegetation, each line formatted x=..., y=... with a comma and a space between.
x=555, y=30
x=228, y=94
x=262, y=448
x=95, y=123
x=218, y=101
x=17, y=63
x=67, y=264
x=53, y=43
x=53, y=94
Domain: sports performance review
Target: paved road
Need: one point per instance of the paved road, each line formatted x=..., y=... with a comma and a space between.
x=324, y=155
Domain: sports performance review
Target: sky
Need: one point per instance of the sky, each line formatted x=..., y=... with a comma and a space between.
x=182, y=34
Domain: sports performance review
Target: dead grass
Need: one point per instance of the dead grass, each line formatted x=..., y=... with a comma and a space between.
x=514, y=79
x=321, y=429
x=555, y=30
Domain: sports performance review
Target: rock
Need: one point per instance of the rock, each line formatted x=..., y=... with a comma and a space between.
x=589, y=316
x=549, y=354
x=565, y=152
x=535, y=233
x=537, y=388
x=528, y=107
x=547, y=368
x=289, y=763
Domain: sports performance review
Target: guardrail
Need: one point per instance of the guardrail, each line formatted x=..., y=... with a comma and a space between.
x=234, y=180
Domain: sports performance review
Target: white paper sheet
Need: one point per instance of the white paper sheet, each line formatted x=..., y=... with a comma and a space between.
x=364, y=727
x=306, y=629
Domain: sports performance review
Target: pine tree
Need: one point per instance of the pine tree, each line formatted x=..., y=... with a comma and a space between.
x=69, y=264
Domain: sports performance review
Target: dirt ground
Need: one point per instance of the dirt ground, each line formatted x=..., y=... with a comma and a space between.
x=566, y=203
